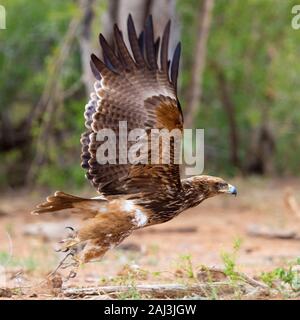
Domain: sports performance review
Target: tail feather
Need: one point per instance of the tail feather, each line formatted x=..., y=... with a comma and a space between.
x=60, y=201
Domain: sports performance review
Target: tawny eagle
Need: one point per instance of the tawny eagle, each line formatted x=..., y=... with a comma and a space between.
x=141, y=88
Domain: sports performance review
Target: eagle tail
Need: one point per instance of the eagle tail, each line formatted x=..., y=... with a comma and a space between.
x=61, y=201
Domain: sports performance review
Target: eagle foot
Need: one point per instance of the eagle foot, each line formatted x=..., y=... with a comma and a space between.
x=70, y=260
x=74, y=263
x=72, y=232
x=70, y=242
x=72, y=274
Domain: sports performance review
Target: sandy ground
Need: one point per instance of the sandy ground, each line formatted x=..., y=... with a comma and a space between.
x=200, y=236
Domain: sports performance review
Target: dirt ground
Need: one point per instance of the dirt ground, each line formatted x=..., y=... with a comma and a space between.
x=169, y=253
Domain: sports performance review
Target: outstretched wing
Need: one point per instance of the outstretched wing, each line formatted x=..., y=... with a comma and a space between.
x=133, y=88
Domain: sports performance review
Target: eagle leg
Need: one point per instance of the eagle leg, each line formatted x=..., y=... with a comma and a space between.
x=70, y=242
x=75, y=262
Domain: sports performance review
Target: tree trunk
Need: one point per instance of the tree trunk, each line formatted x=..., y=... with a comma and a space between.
x=204, y=20
x=260, y=151
x=85, y=44
x=229, y=107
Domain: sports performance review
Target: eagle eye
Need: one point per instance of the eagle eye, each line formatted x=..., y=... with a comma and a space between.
x=221, y=185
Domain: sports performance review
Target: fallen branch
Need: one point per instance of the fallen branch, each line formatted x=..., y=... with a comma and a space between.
x=258, y=293
x=188, y=229
x=156, y=290
x=255, y=230
x=212, y=271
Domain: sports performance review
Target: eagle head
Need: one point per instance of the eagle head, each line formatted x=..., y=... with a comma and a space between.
x=209, y=186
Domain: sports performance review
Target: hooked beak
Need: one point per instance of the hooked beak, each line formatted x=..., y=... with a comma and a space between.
x=232, y=189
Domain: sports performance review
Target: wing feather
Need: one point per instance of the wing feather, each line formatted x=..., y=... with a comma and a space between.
x=175, y=65
x=102, y=68
x=156, y=47
x=141, y=94
x=164, y=48
x=95, y=71
x=110, y=55
x=122, y=49
x=134, y=43
x=149, y=43
x=141, y=42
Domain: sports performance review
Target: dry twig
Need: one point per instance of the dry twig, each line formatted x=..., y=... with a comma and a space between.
x=156, y=290
x=252, y=282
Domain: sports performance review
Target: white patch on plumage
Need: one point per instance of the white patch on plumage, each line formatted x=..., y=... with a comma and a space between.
x=140, y=219
x=128, y=206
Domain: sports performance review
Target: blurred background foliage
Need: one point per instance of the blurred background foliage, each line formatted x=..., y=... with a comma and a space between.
x=249, y=105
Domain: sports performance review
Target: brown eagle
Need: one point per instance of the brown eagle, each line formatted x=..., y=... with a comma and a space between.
x=139, y=87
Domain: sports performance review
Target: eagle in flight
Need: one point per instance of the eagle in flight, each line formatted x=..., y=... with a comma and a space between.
x=138, y=86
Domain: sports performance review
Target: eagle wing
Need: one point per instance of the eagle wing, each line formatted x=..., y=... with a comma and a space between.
x=136, y=90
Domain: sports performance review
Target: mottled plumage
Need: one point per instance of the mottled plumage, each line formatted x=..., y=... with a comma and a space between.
x=140, y=87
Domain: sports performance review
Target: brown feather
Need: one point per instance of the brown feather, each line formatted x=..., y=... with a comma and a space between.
x=175, y=65
x=164, y=48
x=134, y=43
x=108, y=51
x=149, y=43
x=123, y=52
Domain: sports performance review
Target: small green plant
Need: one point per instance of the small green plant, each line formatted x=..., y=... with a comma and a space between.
x=268, y=278
x=128, y=280
x=185, y=266
x=213, y=294
x=280, y=277
x=127, y=276
x=132, y=293
x=229, y=260
x=156, y=273
x=103, y=281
